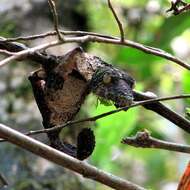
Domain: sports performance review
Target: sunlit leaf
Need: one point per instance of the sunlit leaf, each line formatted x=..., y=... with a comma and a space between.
x=109, y=132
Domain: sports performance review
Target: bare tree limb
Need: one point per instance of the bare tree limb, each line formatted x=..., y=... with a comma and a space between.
x=26, y=52
x=163, y=110
x=49, y=59
x=64, y=160
x=177, y=9
x=185, y=8
x=53, y=33
x=140, y=103
x=117, y=41
x=35, y=56
x=3, y=181
x=92, y=119
x=55, y=18
x=144, y=140
x=117, y=20
x=5, y=52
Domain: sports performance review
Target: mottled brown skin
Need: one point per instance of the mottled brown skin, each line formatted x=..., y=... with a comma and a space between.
x=61, y=89
x=59, y=94
x=118, y=86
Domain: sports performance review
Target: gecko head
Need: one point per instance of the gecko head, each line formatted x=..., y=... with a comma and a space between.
x=113, y=85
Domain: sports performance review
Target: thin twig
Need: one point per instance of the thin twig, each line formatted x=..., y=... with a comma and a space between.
x=117, y=41
x=66, y=161
x=162, y=110
x=175, y=7
x=38, y=57
x=117, y=20
x=55, y=18
x=146, y=49
x=95, y=118
x=53, y=33
x=144, y=140
x=24, y=53
x=183, y=9
x=5, y=52
x=3, y=181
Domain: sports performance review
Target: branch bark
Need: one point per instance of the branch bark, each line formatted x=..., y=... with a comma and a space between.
x=55, y=18
x=148, y=103
x=64, y=160
x=144, y=140
x=93, y=37
x=164, y=111
x=52, y=60
x=177, y=9
x=3, y=181
x=24, y=54
x=117, y=20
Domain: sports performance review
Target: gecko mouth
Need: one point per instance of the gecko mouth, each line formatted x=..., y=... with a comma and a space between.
x=123, y=101
x=111, y=86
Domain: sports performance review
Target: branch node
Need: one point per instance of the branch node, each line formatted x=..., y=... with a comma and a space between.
x=178, y=7
x=144, y=140
x=141, y=139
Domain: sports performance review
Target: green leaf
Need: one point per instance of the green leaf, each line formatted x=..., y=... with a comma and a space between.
x=172, y=27
x=109, y=132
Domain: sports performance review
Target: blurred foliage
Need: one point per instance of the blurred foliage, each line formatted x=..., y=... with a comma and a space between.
x=7, y=28
x=146, y=22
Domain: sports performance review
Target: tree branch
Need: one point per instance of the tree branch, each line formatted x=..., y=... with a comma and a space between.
x=144, y=140
x=177, y=9
x=183, y=9
x=5, y=52
x=109, y=40
x=53, y=33
x=55, y=18
x=117, y=20
x=26, y=52
x=140, y=103
x=3, y=181
x=49, y=59
x=163, y=110
x=35, y=56
x=92, y=119
x=64, y=160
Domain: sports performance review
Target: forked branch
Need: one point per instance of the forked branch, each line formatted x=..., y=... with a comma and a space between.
x=64, y=160
x=178, y=7
x=97, y=117
x=105, y=40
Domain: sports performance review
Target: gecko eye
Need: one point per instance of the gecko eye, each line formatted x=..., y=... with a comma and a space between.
x=107, y=78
